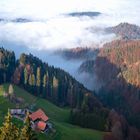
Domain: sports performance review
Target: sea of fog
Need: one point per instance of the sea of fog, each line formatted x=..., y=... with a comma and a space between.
x=42, y=26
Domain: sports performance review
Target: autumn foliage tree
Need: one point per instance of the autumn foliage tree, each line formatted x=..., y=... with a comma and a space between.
x=26, y=131
x=6, y=131
x=9, y=131
x=38, y=80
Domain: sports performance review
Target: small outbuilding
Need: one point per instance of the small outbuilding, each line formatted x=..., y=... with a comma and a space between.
x=18, y=111
x=42, y=126
x=39, y=120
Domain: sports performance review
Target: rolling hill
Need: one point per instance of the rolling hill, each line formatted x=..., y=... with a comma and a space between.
x=58, y=116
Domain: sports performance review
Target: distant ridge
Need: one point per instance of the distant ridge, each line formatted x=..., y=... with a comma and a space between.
x=16, y=20
x=81, y=14
x=125, y=31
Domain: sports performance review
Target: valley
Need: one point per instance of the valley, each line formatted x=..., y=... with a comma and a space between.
x=69, y=70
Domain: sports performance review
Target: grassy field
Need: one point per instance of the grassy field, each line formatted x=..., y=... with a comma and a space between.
x=58, y=116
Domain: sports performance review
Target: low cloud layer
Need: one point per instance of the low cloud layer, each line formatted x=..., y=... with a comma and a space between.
x=37, y=26
x=60, y=32
x=48, y=27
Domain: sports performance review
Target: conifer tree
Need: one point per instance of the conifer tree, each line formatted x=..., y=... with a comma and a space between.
x=16, y=132
x=44, y=80
x=30, y=80
x=44, y=85
x=55, y=82
x=22, y=58
x=33, y=83
x=6, y=131
x=25, y=76
x=48, y=85
x=33, y=80
x=55, y=88
x=26, y=131
x=85, y=103
x=38, y=79
x=11, y=91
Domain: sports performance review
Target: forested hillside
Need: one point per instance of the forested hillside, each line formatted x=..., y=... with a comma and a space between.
x=42, y=80
x=49, y=82
x=57, y=86
x=87, y=66
x=118, y=67
x=126, y=56
x=79, y=53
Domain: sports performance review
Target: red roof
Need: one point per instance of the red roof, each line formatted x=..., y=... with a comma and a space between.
x=41, y=125
x=39, y=114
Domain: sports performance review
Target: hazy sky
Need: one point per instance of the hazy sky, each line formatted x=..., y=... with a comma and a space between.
x=46, y=8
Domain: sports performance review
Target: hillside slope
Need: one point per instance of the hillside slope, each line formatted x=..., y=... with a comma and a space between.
x=58, y=116
x=118, y=67
x=55, y=85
